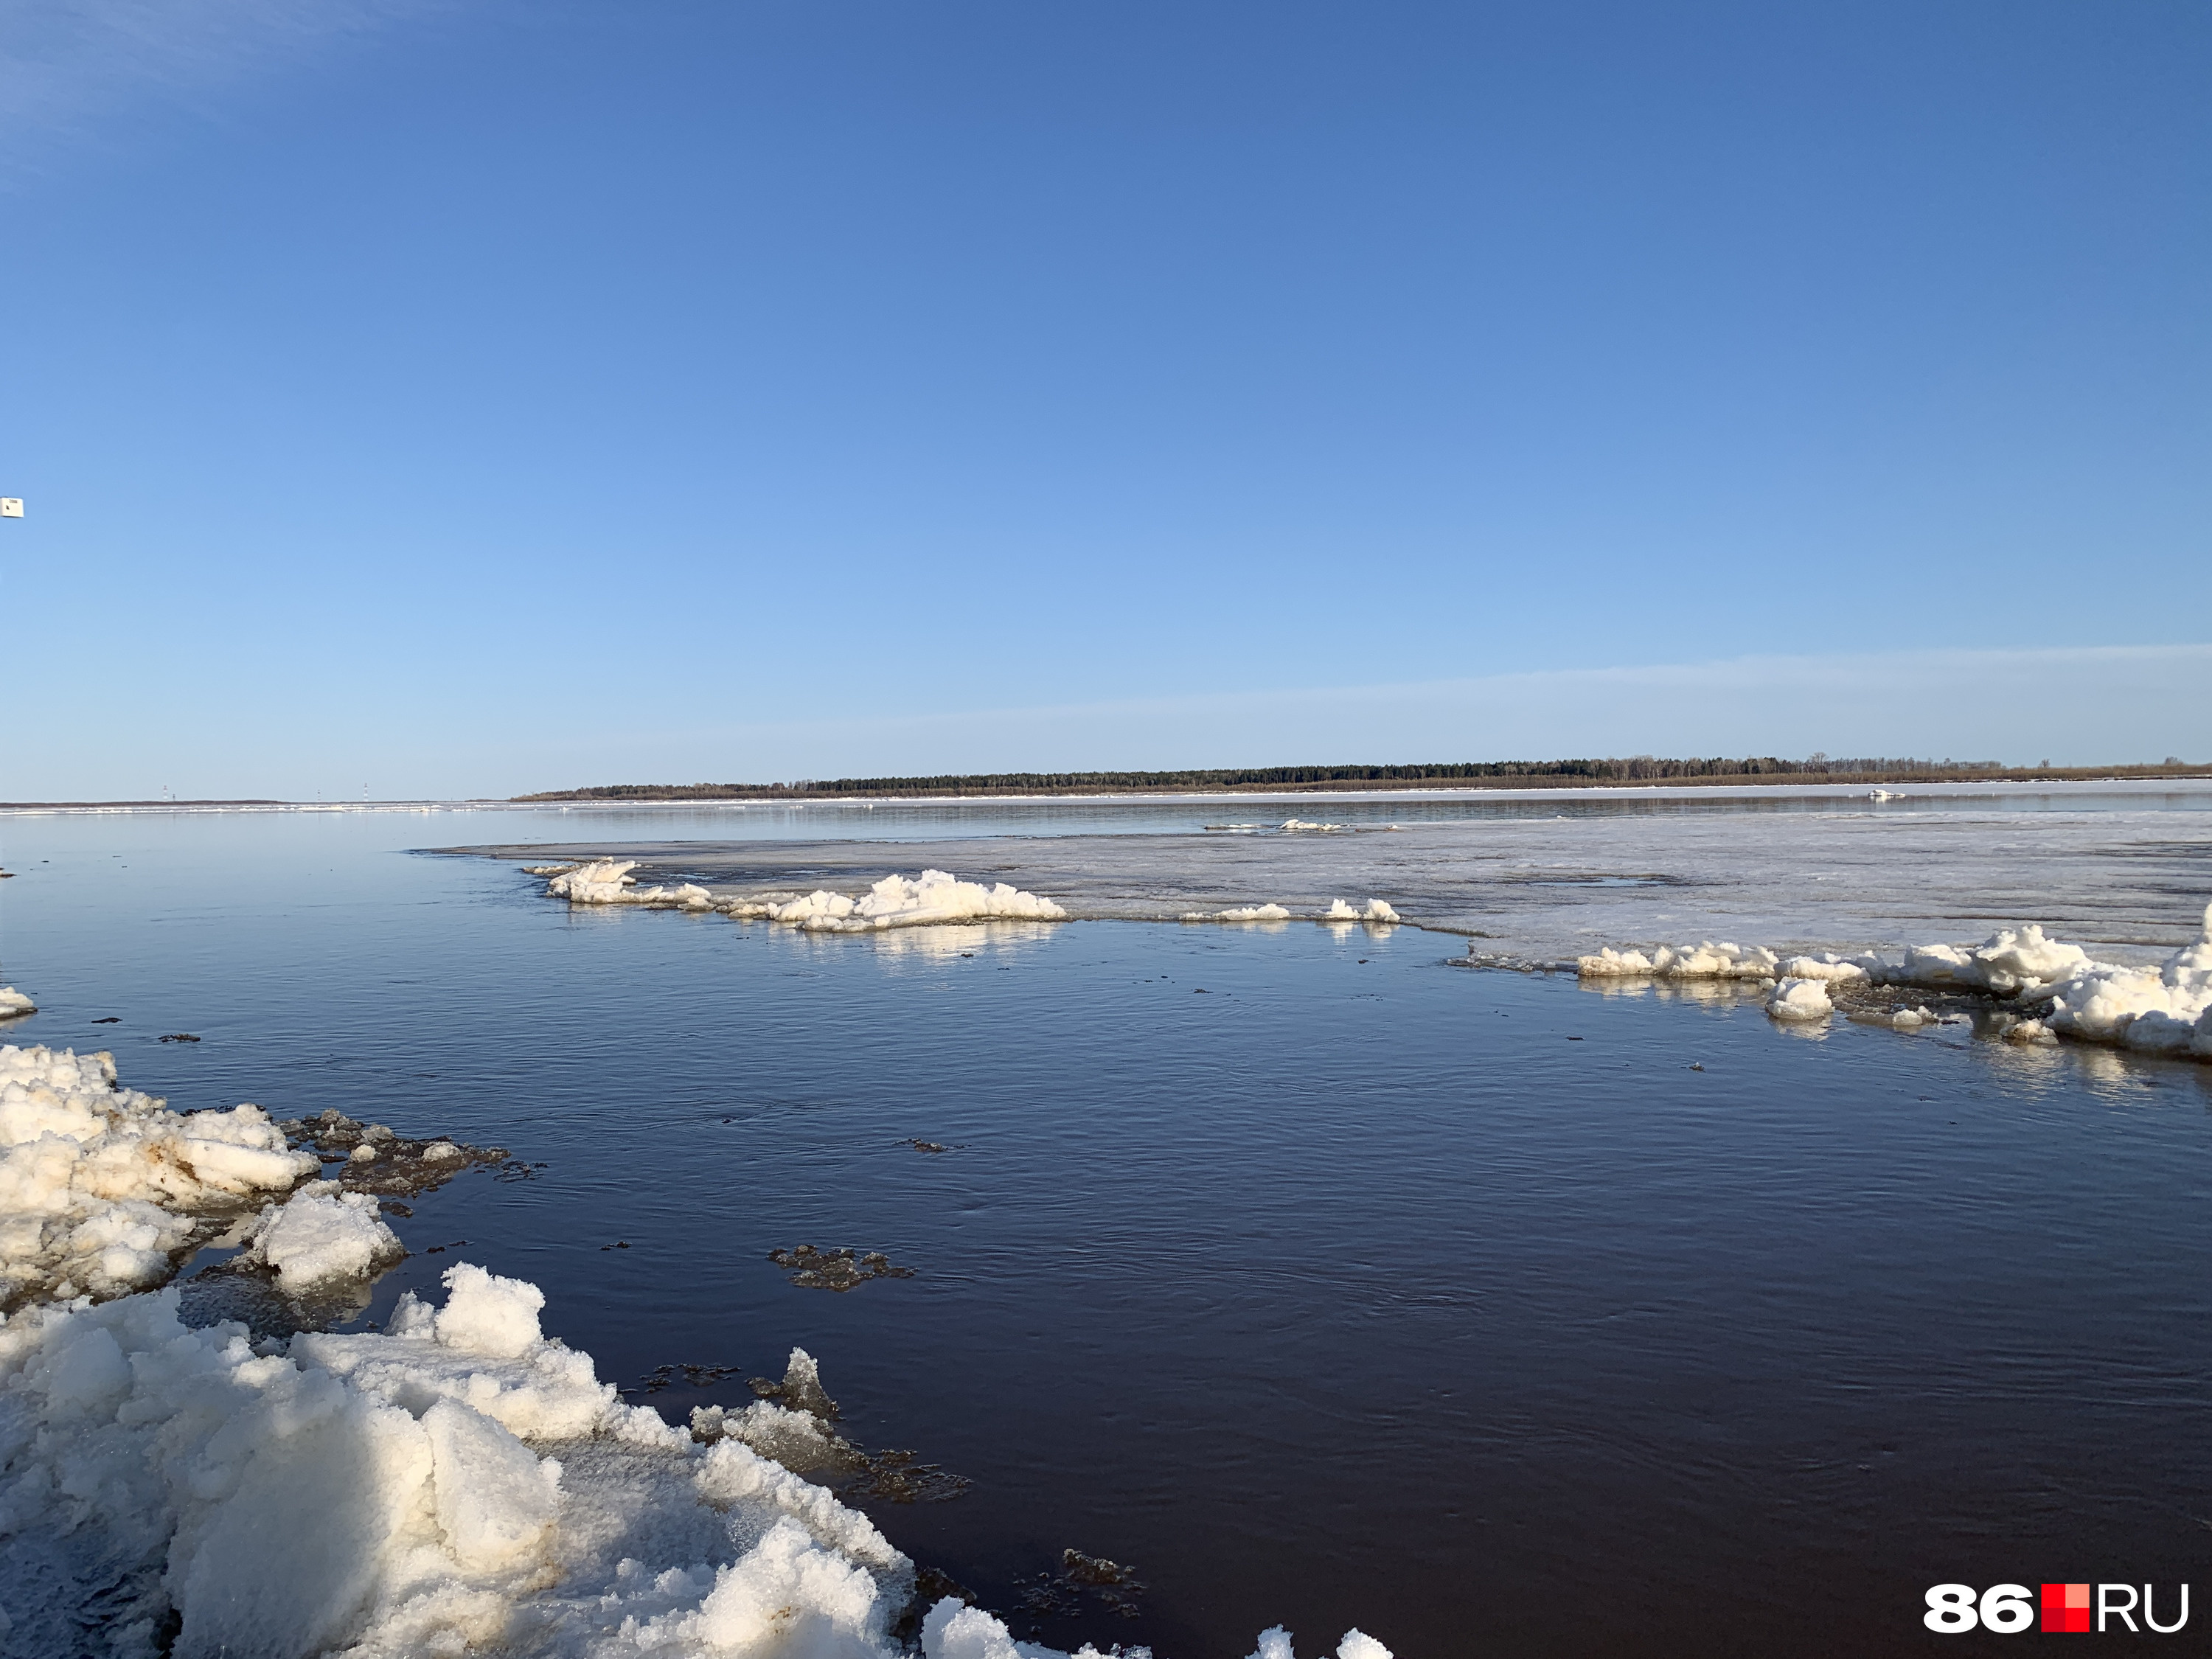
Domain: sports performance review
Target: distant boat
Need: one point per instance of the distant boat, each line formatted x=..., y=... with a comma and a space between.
x=1884, y=794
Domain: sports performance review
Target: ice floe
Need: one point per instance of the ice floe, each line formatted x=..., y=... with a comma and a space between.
x=1828, y=967
x=2164, y=1009
x=1706, y=961
x=101, y=1185
x=609, y=881
x=1901, y=1018
x=1800, y=999
x=1376, y=910
x=931, y=898
x=1337, y=910
x=13, y=1002
x=319, y=1237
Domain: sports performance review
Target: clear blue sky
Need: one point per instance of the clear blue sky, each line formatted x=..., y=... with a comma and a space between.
x=481, y=397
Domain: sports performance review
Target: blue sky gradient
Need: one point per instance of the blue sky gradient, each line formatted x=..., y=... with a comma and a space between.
x=459, y=398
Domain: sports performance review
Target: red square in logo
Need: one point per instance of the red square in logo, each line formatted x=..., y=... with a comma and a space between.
x=2066, y=1606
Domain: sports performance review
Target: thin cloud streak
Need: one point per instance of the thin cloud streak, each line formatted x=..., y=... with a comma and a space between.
x=67, y=66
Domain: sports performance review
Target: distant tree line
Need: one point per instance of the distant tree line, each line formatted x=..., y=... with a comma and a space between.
x=1635, y=769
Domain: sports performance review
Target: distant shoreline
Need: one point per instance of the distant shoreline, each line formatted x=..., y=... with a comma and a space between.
x=622, y=795
x=680, y=794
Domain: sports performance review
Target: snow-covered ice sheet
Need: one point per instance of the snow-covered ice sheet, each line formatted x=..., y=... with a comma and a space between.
x=1549, y=885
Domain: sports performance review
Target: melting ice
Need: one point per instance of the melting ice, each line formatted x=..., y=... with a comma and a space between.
x=458, y=1482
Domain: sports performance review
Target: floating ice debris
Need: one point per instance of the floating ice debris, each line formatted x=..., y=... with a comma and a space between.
x=835, y=1270
x=1706, y=961
x=1800, y=999
x=2164, y=1009
x=930, y=898
x=320, y=1235
x=179, y=1036
x=1898, y=1019
x=2007, y=961
x=1376, y=910
x=789, y=1424
x=13, y=1002
x=1240, y=913
x=1301, y=825
x=1828, y=966
x=1083, y=1578
x=101, y=1187
x=2167, y=1010
x=797, y=1439
x=609, y=881
x=1276, y=1645
x=372, y=1159
x=801, y=1388
x=692, y=1376
x=2031, y=1031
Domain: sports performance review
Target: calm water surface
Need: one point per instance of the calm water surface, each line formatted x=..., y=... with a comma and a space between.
x=1356, y=1289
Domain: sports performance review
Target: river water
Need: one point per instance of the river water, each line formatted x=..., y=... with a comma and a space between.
x=1312, y=1277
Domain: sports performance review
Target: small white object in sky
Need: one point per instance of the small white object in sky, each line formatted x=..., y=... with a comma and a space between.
x=11, y=507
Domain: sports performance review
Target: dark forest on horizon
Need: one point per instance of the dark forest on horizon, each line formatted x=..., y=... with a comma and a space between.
x=1460, y=774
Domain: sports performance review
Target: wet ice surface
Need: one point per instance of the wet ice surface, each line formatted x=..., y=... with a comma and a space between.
x=2126, y=873
x=1351, y=1292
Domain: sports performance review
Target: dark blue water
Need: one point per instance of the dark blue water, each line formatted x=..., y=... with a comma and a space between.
x=1358, y=1289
